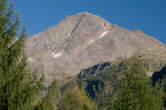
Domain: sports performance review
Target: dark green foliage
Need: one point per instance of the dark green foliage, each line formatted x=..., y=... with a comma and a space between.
x=161, y=78
x=49, y=101
x=17, y=86
x=101, y=81
x=102, y=85
x=135, y=91
x=76, y=99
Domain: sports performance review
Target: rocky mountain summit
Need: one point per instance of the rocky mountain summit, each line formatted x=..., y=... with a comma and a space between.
x=80, y=41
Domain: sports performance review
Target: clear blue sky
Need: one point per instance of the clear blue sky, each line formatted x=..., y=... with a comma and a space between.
x=147, y=15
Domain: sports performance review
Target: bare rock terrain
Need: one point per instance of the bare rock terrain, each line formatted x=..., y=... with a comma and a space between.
x=80, y=41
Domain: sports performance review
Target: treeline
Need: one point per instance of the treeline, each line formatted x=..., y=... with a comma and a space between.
x=21, y=89
x=125, y=86
x=135, y=90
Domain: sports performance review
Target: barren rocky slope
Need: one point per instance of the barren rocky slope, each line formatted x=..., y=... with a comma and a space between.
x=80, y=41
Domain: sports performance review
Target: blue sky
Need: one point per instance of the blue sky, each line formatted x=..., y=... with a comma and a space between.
x=148, y=16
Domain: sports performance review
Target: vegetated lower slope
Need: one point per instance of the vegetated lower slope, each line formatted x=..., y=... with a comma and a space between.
x=102, y=78
x=80, y=41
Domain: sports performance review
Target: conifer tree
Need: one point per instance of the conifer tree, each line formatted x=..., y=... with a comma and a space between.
x=135, y=91
x=17, y=88
x=49, y=102
x=76, y=99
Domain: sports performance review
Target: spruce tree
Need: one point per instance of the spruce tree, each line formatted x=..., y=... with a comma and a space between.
x=17, y=88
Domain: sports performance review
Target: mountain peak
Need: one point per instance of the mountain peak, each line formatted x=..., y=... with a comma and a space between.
x=88, y=15
x=85, y=13
x=83, y=40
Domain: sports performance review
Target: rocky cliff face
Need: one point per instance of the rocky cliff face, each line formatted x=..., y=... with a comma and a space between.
x=80, y=41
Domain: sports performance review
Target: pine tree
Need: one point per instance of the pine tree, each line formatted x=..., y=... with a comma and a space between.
x=17, y=88
x=76, y=99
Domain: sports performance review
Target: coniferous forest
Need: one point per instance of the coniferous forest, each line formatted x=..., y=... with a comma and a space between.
x=124, y=85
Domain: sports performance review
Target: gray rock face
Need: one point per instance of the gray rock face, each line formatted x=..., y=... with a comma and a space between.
x=80, y=41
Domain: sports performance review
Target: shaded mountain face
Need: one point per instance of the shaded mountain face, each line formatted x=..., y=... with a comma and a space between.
x=80, y=41
x=101, y=80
